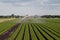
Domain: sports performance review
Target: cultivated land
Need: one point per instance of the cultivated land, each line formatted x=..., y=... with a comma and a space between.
x=34, y=29
x=6, y=24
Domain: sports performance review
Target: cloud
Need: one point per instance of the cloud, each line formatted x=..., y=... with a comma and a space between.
x=31, y=7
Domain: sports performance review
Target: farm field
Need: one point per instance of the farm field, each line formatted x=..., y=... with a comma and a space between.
x=6, y=24
x=35, y=29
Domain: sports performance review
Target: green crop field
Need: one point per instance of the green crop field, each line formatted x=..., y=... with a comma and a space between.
x=34, y=29
x=6, y=25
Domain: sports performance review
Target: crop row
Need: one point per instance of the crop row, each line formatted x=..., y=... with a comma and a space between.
x=34, y=31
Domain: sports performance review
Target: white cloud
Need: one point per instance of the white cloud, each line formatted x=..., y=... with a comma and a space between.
x=39, y=7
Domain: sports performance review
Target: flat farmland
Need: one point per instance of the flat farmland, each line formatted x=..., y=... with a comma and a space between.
x=6, y=24
x=36, y=29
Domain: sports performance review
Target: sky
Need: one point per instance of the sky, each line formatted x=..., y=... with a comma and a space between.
x=30, y=7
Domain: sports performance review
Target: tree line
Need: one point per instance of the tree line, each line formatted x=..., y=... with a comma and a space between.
x=11, y=16
x=50, y=16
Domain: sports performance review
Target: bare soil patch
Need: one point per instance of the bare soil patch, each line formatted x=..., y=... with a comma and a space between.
x=2, y=20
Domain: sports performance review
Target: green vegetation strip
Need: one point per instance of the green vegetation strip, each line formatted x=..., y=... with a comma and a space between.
x=30, y=36
x=15, y=34
x=38, y=33
x=21, y=34
x=26, y=37
x=32, y=33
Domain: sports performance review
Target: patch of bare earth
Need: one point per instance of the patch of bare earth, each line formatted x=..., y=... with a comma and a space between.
x=2, y=20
